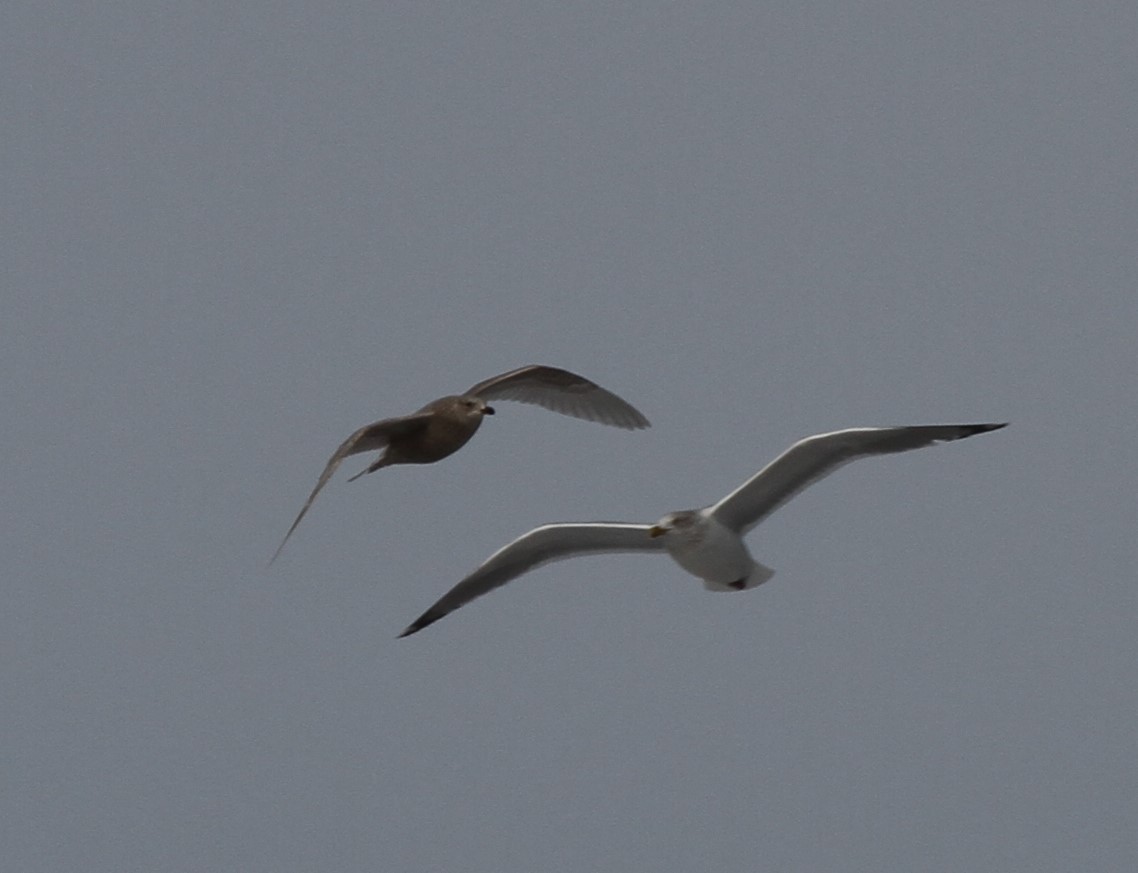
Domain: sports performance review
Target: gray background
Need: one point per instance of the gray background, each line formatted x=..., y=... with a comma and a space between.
x=233, y=232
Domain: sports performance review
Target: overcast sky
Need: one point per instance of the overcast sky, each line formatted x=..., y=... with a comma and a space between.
x=234, y=232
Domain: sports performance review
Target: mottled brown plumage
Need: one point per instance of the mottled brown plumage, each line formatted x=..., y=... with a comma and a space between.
x=444, y=426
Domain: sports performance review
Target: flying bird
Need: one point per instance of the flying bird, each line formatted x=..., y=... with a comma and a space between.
x=444, y=426
x=707, y=542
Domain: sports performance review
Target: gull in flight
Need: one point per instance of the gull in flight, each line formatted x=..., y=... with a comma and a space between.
x=444, y=426
x=707, y=542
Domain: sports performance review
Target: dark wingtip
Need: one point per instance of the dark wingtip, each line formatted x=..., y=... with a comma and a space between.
x=984, y=428
x=418, y=624
x=277, y=553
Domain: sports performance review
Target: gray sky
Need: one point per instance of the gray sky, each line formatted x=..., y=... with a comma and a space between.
x=232, y=233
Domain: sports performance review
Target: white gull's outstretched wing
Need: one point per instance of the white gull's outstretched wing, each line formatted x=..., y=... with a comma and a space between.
x=814, y=457
x=550, y=542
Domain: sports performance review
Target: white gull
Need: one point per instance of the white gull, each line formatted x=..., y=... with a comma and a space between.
x=707, y=542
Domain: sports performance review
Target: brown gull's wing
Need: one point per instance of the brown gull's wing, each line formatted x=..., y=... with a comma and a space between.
x=561, y=391
x=370, y=437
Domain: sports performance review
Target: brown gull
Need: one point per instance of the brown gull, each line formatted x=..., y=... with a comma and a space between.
x=444, y=426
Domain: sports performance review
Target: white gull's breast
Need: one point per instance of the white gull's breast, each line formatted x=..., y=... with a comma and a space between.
x=710, y=551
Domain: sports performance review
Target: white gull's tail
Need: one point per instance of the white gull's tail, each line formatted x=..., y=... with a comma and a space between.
x=759, y=575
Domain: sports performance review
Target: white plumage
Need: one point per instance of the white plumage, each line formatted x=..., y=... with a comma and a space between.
x=707, y=542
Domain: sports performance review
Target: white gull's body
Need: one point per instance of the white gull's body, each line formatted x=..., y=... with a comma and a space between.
x=707, y=542
x=710, y=551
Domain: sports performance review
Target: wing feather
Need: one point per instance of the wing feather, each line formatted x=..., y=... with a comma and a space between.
x=370, y=437
x=542, y=545
x=815, y=457
x=561, y=391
